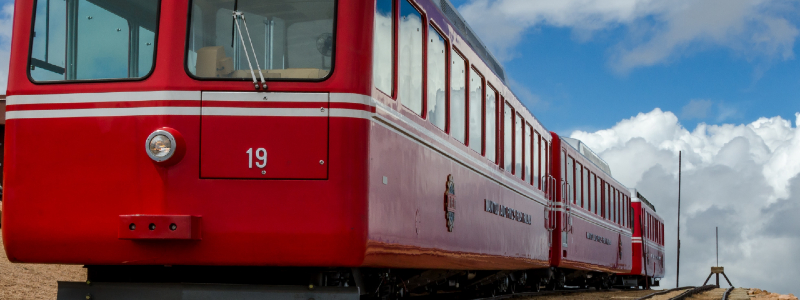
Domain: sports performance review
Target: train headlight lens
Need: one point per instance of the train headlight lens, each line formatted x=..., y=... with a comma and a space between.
x=160, y=145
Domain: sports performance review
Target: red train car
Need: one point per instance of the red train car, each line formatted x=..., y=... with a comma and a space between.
x=647, y=246
x=337, y=148
x=592, y=236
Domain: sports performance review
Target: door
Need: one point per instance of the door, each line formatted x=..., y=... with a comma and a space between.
x=251, y=135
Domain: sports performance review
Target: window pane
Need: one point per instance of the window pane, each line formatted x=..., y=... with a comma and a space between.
x=289, y=41
x=571, y=179
x=578, y=184
x=475, y=110
x=437, y=76
x=518, y=146
x=104, y=45
x=410, y=63
x=586, y=183
x=508, y=121
x=544, y=157
x=491, y=124
x=526, y=143
x=458, y=109
x=537, y=179
x=383, y=45
x=591, y=206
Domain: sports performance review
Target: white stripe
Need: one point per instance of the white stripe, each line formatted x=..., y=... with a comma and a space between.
x=103, y=112
x=270, y=97
x=352, y=98
x=264, y=112
x=102, y=97
x=351, y=113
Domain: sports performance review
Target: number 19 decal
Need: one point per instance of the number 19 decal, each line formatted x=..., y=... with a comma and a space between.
x=261, y=155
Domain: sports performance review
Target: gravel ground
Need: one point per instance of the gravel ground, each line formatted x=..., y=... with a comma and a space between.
x=592, y=295
x=33, y=281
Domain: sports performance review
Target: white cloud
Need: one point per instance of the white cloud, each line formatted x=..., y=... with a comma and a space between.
x=657, y=31
x=740, y=177
x=6, y=24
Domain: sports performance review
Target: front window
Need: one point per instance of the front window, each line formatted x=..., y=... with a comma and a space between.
x=93, y=39
x=283, y=39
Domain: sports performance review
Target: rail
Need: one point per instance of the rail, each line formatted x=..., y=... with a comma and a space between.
x=727, y=293
x=665, y=292
x=693, y=291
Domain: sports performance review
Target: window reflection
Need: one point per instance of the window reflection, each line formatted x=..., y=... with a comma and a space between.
x=383, y=44
x=491, y=124
x=518, y=146
x=508, y=130
x=410, y=61
x=475, y=110
x=437, y=78
x=458, y=110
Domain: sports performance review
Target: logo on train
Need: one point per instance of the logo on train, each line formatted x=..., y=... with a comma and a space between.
x=450, y=202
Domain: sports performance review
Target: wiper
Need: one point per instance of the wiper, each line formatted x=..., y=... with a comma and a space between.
x=236, y=16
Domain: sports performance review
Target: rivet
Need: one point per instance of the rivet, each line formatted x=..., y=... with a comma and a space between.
x=265, y=98
x=152, y=226
x=263, y=172
x=322, y=109
x=90, y=17
x=132, y=226
x=310, y=286
x=88, y=282
x=88, y=296
x=173, y=226
x=119, y=29
x=321, y=162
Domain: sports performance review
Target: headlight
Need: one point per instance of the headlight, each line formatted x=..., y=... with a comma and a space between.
x=160, y=145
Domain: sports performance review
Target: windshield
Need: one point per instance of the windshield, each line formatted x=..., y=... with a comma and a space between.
x=287, y=39
x=93, y=39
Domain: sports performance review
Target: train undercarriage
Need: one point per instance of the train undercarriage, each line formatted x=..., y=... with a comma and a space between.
x=180, y=282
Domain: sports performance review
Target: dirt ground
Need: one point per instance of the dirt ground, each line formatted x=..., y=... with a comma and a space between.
x=592, y=295
x=33, y=281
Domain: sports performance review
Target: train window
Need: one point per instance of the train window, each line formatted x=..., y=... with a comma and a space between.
x=475, y=110
x=609, y=210
x=458, y=109
x=508, y=121
x=112, y=39
x=536, y=160
x=518, y=146
x=544, y=158
x=383, y=47
x=586, y=184
x=437, y=79
x=284, y=40
x=570, y=179
x=598, y=195
x=491, y=124
x=579, y=184
x=410, y=61
x=527, y=142
x=616, y=206
x=589, y=190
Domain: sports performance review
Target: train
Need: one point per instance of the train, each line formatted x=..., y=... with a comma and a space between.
x=341, y=149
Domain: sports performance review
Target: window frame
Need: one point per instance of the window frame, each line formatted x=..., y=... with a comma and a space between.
x=449, y=90
x=482, y=126
x=447, y=46
x=32, y=34
x=334, y=34
x=496, y=126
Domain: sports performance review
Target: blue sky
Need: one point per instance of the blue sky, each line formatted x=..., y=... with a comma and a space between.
x=573, y=86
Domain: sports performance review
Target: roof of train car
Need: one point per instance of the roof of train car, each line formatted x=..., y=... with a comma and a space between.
x=643, y=199
x=465, y=31
x=469, y=36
